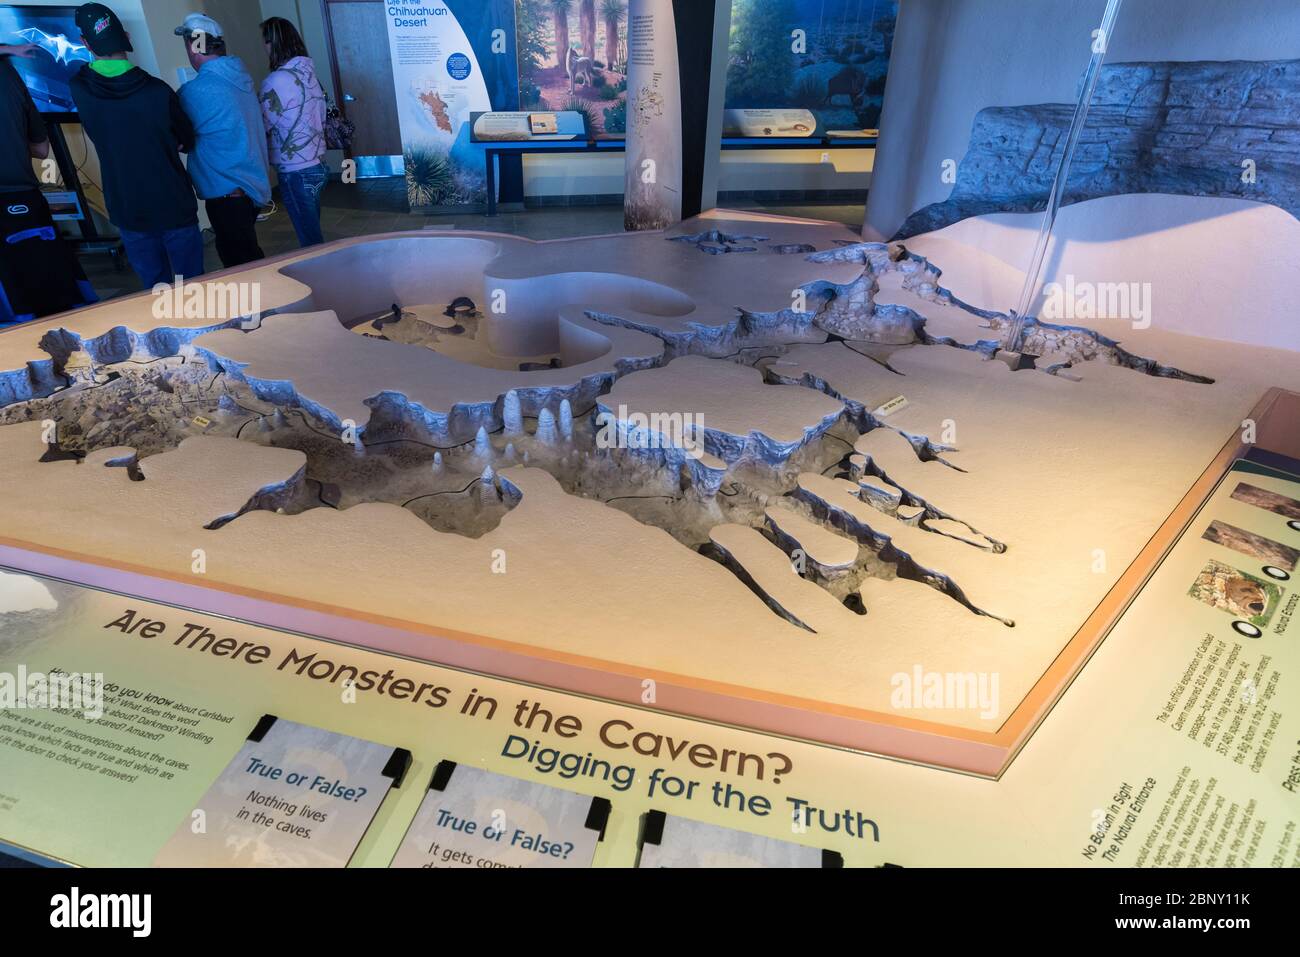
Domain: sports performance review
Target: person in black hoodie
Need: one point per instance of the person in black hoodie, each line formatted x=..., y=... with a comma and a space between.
x=139, y=130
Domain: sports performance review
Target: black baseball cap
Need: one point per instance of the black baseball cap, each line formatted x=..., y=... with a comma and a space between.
x=102, y=30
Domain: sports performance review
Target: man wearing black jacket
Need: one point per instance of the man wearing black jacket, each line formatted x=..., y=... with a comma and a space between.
x=139, y=130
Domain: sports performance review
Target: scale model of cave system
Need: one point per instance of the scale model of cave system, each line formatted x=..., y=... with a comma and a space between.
x=752, y=450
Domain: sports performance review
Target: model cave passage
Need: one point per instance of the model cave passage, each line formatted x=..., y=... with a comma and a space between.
x=422, y=372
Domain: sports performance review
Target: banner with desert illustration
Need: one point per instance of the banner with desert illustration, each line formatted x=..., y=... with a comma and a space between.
x=450, y=58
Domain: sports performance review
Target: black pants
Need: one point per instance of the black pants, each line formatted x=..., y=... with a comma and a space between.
x=234, y=224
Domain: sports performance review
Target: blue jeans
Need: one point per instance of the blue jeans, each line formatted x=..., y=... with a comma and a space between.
x=161, y=257
x=300, y=192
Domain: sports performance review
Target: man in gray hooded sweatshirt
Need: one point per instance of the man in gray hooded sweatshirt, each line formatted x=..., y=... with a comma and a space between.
x=228, y=164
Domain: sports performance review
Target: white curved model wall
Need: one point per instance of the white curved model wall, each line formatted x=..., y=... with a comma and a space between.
x=1218, y=268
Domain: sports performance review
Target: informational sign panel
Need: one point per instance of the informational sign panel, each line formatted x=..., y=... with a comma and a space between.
x=517, y=126
x=294, y=796
x=669, y=841
x=767, y=124
x=652, y=197
x=475, y=818
x=450, y=58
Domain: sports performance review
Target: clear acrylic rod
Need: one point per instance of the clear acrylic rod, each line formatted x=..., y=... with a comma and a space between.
x=1101, y=40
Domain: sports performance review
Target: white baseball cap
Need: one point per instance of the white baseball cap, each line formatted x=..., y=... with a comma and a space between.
x=199, y=23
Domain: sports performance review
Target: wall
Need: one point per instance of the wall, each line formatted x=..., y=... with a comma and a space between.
x=952, y=58
x=240, y=20
x=1179, y=128
x=739, y=171
x=717, y=102
x=309, y=17
x=162, y=17
x=814, y=169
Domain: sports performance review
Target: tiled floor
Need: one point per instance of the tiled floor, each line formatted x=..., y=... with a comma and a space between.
x=379, y=206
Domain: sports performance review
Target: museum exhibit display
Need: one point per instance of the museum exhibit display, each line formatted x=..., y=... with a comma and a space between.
x=963, y=537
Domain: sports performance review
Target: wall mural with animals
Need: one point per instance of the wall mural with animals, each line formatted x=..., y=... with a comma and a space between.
x=827, y=56
x=573, y=56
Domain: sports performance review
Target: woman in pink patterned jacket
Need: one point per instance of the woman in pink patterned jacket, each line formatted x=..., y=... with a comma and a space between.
x=293, y=109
